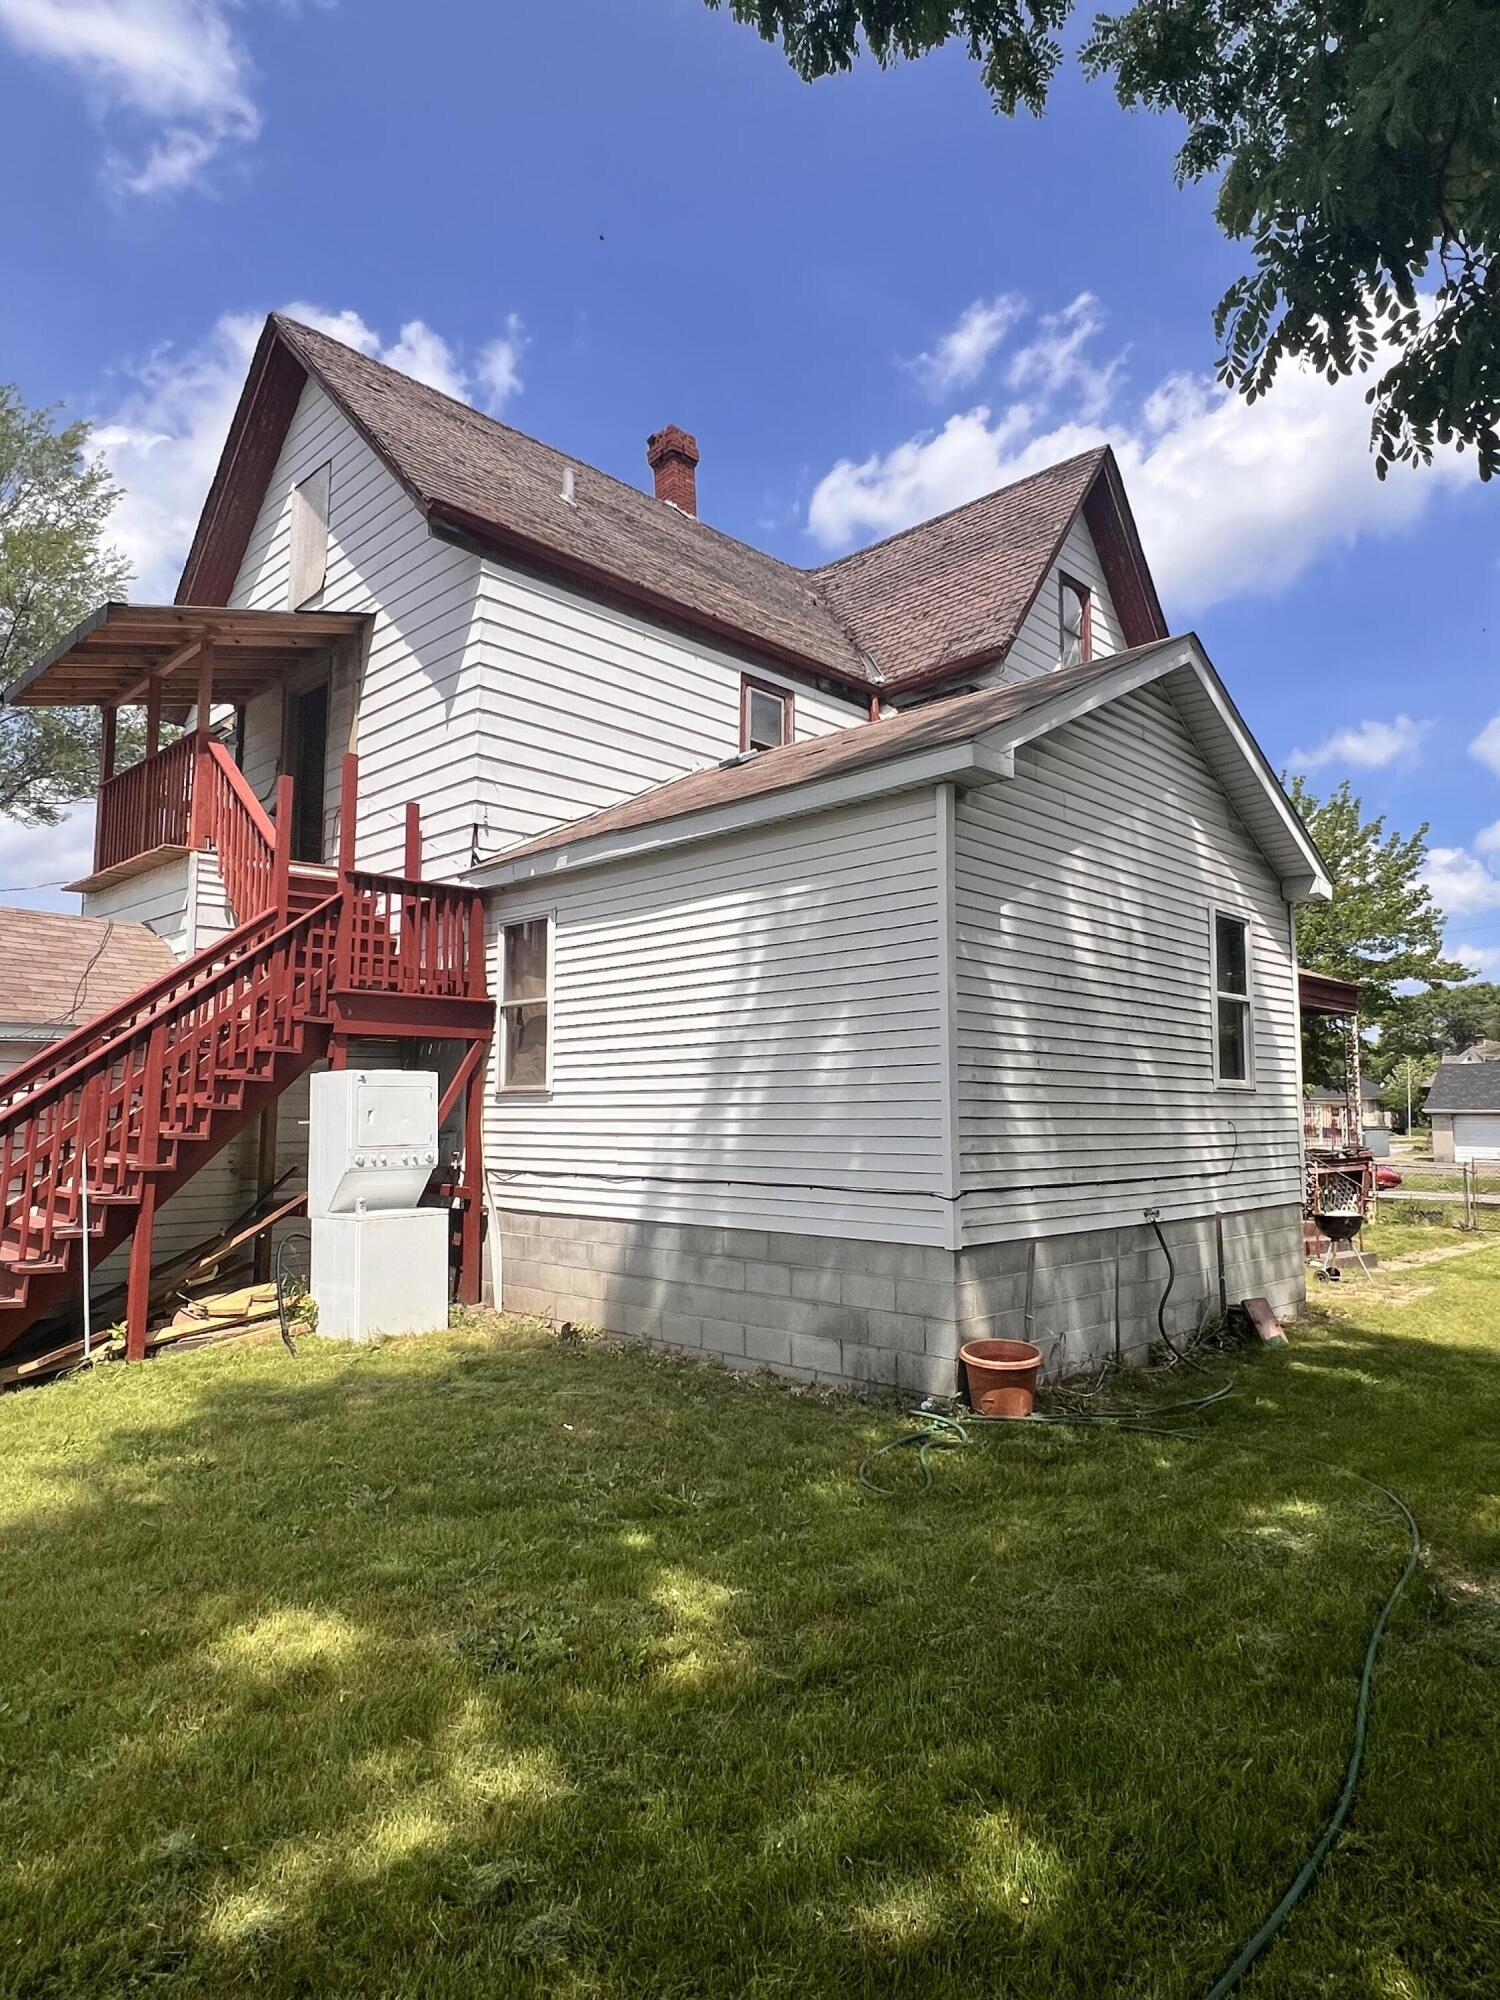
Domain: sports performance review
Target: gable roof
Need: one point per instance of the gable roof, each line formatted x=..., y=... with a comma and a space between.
x=909, y=747
x=57, y=971
x=1464, y=1086
x=868, y=621
x=955, y=590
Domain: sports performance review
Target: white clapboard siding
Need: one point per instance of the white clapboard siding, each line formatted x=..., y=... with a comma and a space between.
x=585, y=704
x=747, y=1033
x=1084, y=890
x=1036, y=648
x=504, y=703
x=182, y=900
x=415, y=726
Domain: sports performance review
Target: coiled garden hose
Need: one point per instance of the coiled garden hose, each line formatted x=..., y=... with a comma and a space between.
x=943, y=1432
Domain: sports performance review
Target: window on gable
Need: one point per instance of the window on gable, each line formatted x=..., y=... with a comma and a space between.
x=1234, y=1053
x=308, y=560
x=765, y=716
x=526, y=1005
x=1074, y=622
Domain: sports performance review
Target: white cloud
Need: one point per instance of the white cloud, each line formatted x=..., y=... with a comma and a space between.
x=1487, y=840
x=1058, y=360
x=169, y=75
x=163, y=436
x=1486, y=745
x=958, y=358
x=1484, y=958
x=497, y=367
x=1370, y=745
x=1460, y=882
x=1231, y=497
x=49, y=854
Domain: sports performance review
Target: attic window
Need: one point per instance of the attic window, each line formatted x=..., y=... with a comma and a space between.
x=1074, y=622
x=765, y=715
x=308, y=558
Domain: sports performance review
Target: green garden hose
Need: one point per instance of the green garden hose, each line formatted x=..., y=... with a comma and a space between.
x=942, y=1432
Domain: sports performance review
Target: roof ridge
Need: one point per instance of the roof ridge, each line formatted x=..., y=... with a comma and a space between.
x=1098, y=451
x=804, y=575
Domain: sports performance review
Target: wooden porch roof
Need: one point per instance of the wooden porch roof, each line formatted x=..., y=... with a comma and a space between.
x=119, y=651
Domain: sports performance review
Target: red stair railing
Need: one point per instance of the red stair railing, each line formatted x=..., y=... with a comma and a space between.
x=229, y=817
x=120, y=1109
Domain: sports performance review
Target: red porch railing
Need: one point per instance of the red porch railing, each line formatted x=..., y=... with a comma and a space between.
x=148, y=805
x=420, y=938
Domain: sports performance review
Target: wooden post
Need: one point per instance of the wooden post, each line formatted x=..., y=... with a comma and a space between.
x=473, y=1218
x=203, y=708
x=109, y=717
x=343, y=961
x=153, y=718
x=265, y=1180
x=138, y=1284
x=412, y=865
x=281, y=854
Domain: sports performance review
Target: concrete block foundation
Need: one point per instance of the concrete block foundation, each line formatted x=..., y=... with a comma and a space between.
x=892, y=1316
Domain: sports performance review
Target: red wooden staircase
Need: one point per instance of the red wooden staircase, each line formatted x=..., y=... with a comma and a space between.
x=113, y=1120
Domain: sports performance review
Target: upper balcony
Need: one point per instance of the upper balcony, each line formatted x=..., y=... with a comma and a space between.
x=175, y=661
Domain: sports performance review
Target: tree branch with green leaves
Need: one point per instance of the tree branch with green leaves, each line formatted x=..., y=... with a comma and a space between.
x=1356, y=148
x=55, y=567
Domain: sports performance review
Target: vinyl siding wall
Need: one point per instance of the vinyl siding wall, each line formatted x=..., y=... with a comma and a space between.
x=583, y=705
x=1084, y=889
x=504, y=702
x=416, y=691
x=746, y=1033
x=1036, y=649
x=182, y=900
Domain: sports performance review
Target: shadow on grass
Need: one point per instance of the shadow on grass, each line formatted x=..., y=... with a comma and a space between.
x=479, y=1665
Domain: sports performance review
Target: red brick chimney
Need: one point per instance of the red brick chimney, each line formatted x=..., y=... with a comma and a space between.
x=673, y=456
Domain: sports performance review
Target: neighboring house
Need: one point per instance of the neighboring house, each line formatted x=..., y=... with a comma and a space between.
x=1463, y=1104
x=57, y=971
x=1479, y=1052
x=1325, y=1116
x=875, y=954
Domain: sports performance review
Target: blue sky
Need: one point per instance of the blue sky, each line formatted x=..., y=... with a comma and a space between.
x=869, y=299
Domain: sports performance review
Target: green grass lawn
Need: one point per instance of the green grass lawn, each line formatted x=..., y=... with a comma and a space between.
x=475, y=1665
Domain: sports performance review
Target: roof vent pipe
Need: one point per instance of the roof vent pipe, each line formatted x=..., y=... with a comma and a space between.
x=570, y=486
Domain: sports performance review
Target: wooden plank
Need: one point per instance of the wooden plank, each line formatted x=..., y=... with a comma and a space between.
x=1267, y=1326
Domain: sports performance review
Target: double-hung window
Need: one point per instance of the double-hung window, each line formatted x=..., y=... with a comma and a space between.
x=765, y=715
x=1234, y=1049
x=526, y=1005
x=1075, y=635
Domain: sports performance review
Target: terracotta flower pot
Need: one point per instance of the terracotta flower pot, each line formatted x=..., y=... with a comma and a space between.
x=1002, y=1376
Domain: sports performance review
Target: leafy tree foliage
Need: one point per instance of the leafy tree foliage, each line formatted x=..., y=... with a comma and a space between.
x=1443, y=1021
x=1382, y=926
x=1404, y=1084
x=1357, y=151
x=54, y=569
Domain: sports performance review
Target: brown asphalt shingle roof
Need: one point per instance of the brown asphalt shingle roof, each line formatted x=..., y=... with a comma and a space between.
x=933, y=726
x=954, y=589
x=58, y=970
x=958, y=587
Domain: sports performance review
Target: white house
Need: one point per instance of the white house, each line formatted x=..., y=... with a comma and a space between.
x=873, y=955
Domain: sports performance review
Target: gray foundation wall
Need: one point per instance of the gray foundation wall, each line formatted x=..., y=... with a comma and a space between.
x=891, y=1315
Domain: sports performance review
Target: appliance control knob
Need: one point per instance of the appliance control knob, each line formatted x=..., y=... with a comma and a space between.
x=359, y=1159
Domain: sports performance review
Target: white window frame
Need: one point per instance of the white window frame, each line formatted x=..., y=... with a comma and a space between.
x=1218, y=993
x=503, y=1086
